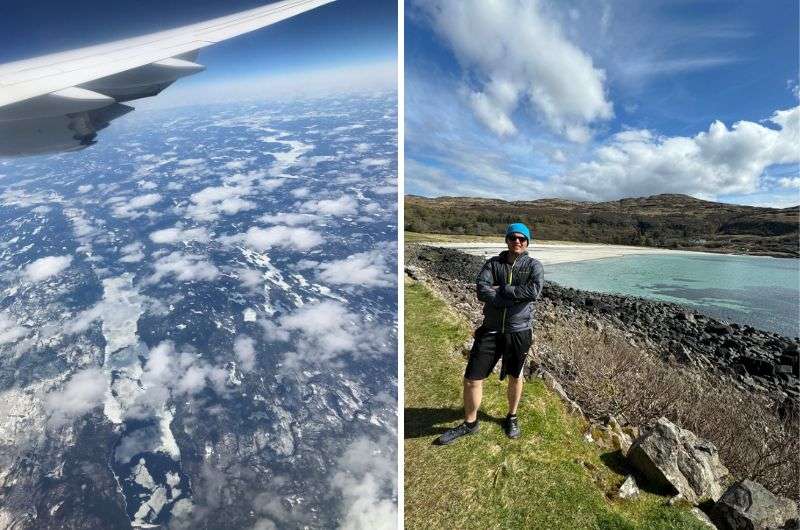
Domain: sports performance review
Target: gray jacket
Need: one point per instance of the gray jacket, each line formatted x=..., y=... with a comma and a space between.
x=508, y=292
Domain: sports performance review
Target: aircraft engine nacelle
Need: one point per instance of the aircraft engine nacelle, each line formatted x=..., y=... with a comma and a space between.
x=70, y=132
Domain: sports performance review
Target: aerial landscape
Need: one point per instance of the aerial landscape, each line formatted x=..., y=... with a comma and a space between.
x=198, y=313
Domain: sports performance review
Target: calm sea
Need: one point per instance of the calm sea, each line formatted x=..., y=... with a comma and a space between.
x=761, y=292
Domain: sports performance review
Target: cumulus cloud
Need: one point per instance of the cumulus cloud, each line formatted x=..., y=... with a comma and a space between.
x=366, y=480
x=789, y=182
x=344, y=205
x=272, y=184
x=291, y=219
x=189, y=162
x=236, y=164
x=250, y=278
x=184, y=267
x=323, y=331
x=10, y=330
x=372, y=162
x=172, y=374
x=178, y=233
x=367, y=269
x=299, y=193
x=214, y=201
x=132, y=208
x=721, y=160
x=44, y=268
x=520, y=57
x=83, y=392
x=244, y=348
x=296, y=238
x=132, y=253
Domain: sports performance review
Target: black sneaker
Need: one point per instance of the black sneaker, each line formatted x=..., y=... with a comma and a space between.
x=511, y=427
x=456, y=432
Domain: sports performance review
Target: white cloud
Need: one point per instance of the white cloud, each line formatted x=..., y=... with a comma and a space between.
x=272, y=184
x=236, y=164
x=169, y=373
x=299, y=193
x=789, y=182
x=10, y=330
x=344, y=205
x=296, y=238
x=214, y=201
x=366, y=480
x=143, y=201
x=178, y=233
x=291, y=219
x=132, y=253
x=184, y=267
x=250, y=278
x=44, y=268
x=372, y=162
x=366, y=269
x=244, y=348
x=389, y=189
x=191, y=162
x=85, y=188
x=131, y=208
x=320, y=332
x=521, y=57
x=719, y=161
x=83, y=392
x=326, y=326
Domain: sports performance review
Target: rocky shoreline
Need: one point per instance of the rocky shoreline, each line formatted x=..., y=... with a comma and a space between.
x=755, y=360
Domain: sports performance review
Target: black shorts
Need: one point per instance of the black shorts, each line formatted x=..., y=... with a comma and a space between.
x=491, y=346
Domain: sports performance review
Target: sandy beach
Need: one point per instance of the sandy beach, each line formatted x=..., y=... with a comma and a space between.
x=551, y=253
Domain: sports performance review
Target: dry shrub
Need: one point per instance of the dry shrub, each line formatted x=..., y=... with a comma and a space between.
x=607, y=374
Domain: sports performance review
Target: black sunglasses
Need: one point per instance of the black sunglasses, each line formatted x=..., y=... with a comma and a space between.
x=521, y=239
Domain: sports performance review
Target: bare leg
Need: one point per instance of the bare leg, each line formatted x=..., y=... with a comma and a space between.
x=473, y=392
x=514, y=393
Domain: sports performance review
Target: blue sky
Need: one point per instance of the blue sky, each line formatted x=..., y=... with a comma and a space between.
x=602, y=99
x=344, y=34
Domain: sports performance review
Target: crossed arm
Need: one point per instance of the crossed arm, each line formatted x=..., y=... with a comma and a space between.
x=508, y=295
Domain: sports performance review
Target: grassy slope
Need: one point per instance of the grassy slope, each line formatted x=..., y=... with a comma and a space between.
x=550, y=478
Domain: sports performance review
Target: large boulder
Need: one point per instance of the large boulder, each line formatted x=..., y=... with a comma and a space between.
x=748, y=505
x=676, y=459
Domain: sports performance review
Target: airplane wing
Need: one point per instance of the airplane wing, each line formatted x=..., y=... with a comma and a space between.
x=58, y=102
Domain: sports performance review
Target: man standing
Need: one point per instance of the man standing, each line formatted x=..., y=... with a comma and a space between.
x=508, y=285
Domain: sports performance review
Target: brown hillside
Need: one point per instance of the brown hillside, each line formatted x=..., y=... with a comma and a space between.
x=668, y=220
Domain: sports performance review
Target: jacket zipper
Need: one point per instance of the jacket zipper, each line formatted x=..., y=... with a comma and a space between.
x=505, y=309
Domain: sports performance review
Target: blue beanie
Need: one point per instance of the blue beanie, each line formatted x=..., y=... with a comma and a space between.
x=518, y=228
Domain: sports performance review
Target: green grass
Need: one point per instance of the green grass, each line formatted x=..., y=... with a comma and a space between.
x=550, y=478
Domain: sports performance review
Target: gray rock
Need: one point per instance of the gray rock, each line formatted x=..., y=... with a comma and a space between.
x=703, y=518
x=675, y=458
x=466, y=348
x=556, y=387
x=414, y=273
x=628, y=489
x=748, y=505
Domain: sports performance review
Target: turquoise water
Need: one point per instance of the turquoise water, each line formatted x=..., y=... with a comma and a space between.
x=761, y=292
